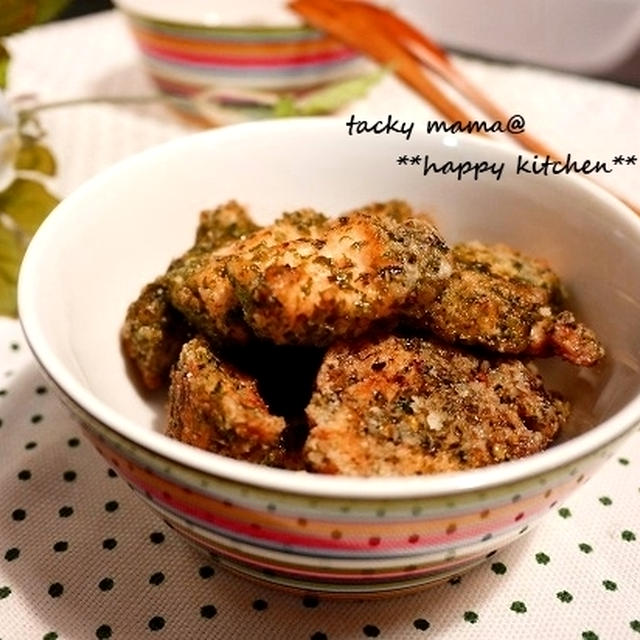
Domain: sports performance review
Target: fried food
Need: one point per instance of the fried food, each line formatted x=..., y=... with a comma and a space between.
x=395, y=405
x=216, y=407
x=504, y=301
x=363, y=270
x=360, y=345
x=219, y=229
x=153, y=334
x=205, y=294
x=153, y=330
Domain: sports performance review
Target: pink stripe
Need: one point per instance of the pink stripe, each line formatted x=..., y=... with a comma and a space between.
x=283, y=538
x=378, y=576
x=241, y=61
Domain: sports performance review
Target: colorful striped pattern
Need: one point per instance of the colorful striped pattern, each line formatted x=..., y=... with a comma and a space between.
x=331, y=545
x=183, y=59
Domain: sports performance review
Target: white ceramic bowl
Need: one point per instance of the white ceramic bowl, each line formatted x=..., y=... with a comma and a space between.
x=319, y=533
x=192, y=46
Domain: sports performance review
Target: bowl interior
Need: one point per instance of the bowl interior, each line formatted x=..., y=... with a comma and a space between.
x=103, y=243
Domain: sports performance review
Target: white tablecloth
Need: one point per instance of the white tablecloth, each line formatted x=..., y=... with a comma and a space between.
x=82, y=558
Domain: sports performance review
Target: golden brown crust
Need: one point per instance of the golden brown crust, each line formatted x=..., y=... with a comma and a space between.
x=501, y=300
x=153, y=334
x=267, y=303
x=154, y=331
x=408, y=405
x=365, y=268
x=205, y=294
x=219, y=229
x=214, y=406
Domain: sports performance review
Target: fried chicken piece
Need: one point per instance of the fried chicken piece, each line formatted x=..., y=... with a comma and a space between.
x=153, y=331
x=410, y=405
x=153, y=334
x=215, y=406
x=219, y=229
x=501, y=300
x=364, y=269
x=204, y=292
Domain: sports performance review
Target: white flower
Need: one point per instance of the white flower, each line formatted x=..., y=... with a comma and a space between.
x=9, y=143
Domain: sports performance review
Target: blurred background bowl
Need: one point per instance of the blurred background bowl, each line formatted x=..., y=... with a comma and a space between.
x=193, y=46
x=327, y=534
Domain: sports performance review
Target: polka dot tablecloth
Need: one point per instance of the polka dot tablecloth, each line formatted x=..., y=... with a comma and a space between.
x=82, y=558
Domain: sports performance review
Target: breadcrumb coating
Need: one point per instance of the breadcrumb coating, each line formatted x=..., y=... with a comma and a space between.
x=215, y=406
x=205, y=293
x=396, y=405
x=499, y=299
x=361, y=345
x=364, y=269
x=153, y=329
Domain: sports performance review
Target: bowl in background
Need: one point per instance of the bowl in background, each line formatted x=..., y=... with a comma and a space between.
x=327, y=534
x=192, y=46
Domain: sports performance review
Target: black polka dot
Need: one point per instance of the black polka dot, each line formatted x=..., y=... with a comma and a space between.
x=73, y=442
x=260, y=604
x=106, y=584
x=206, y=571
x=157, y=537
x=421, y=624
x=65, y=512
x=50, y=635
x=36, y=417
x=15, y=346
x=3, y=392
x=11, y=554
x=208, y=611
x=56, y=590
x=109, y=543
x=31, y=445
x=156, y=623
x=156, y=578
x=41, y=390
x=318, y=635
x=19, y=514
x=69, y=476
x=111, y=473
x=5, y=592
x=103, y=632
x=60, y=546
x=111, y=506
x=370, y=631
x=25, y=474
x=310, y=602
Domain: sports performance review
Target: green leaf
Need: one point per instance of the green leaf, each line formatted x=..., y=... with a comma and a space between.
x=48, y=9
x=4, y=66
x=11, y=252
x=17, y=15
x=33, y=156
x=285, y=107
x=27, y=202
x=336, y=95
